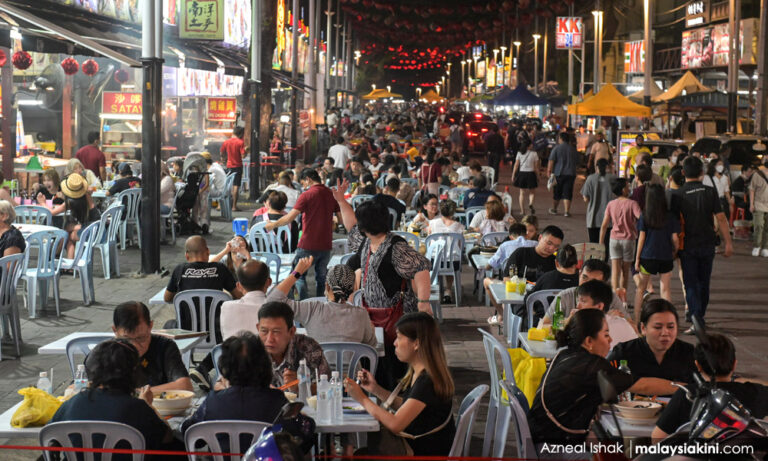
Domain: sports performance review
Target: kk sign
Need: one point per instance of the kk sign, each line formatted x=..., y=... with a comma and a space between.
x=222, y=109
x=634, y=57
x=202, y=19
x=114, y=103
x=569, y=32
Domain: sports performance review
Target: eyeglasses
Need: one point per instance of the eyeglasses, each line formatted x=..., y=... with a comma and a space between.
x=138, y=339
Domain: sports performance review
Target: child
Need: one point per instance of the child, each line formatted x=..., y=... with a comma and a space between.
x=621, y=213
x=517, y=239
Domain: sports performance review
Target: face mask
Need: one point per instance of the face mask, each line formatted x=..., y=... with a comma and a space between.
x=719, y=168
x=673, y=160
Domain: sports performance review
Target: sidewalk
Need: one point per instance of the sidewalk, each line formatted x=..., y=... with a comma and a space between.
x=739, y=289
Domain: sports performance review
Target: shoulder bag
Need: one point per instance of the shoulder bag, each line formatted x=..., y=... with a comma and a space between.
x=384, y=317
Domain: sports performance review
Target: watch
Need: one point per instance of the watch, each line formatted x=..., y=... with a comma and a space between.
x=296, y=274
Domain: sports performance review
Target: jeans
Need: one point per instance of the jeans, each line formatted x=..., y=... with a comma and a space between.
x=697, y=270
x=760, y=223
x=322, y=257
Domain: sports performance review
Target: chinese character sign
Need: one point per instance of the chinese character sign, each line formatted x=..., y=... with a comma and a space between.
x=569, y=32
x=222, y=109
x=202, y=19
x=121, y=103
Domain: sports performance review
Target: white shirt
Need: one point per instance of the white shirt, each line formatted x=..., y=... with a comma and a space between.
x=621, y=331
x=479, y=217
x=340, y=155
x=464, y=173
x=527, y=160
x=721, y=184
x=332, y=119
x=241, y=314
x=218, y=179
x=438, y=226
x=376, y=168
x=290, y=193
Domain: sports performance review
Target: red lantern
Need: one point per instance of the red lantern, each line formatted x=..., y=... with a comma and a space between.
x=21, y=60
x=3, y=58
x=121, y=76
x=90, y=67
x=70, y=66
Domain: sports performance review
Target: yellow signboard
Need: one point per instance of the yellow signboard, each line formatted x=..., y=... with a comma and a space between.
x=202, y=19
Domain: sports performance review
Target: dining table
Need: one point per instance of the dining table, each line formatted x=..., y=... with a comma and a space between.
x=538, y=349
x=29, y=229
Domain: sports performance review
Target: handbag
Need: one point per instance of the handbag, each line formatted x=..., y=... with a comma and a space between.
x=385, y=317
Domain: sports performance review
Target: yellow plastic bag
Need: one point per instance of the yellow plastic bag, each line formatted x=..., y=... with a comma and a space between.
x=37, y=408
x=528, y=373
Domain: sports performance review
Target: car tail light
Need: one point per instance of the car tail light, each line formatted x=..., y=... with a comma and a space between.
x=478, y=116
x=484, y=130
x=470, y=133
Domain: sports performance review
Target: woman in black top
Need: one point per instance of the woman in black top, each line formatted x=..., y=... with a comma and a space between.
x=244, y=393
x=569, y=395
x=423, y=409
x=657, y=358
x=11, y=240
x=49, y=190
x=81, y=209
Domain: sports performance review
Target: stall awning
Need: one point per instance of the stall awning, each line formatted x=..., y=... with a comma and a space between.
x=688, y=84
x=608, y=102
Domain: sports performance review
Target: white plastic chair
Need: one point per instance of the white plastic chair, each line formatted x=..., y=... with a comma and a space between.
x=106, y=243
x=544, y=297
x=195, y=303
x=10, y=271
x=61, y=434
x=493, y=238
x=33, y=214
x=413, y=240
x=436, y=289
x=354, y=352
x=268, y=241
x=498, y=411
x=471, y=212
x=245, y=181
x=415, y=200
x=215, y=356
x=339, y=246
x=466, y=419
x=489, y=173
x=169, y=222
x=277, y=270
x=452, y=252
x=358, y=199
x=392, y=219
x=412, y=181
x=523, y=440
x=46, y=268
x=82, y=263
x=131, y=198
x=230, y=430
x=512, y=326
x=225, y=199
x=83, y=346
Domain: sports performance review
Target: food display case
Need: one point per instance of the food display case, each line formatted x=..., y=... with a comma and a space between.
x=121, y=125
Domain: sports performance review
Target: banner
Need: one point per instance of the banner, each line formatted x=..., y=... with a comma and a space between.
x=202, y=19
x=116, y=103
x=221, y=109
x=569, y=32
x=710, y=46
x=634, y=57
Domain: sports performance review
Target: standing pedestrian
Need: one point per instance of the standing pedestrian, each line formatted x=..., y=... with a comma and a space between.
x=758, y=205
x=563, y=161
x=524, y=174
x=494, y=145
x=234, y=149
x=92, y=157
x=698, y=204
x=597, y=193
x=621, y=214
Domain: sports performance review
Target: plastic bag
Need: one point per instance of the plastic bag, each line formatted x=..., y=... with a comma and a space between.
x=37, y=408
x=551, y=182
x=528, y=373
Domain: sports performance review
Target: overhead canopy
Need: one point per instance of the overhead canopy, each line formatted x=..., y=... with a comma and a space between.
x=381, y=93
x=638, y=96
x=520, y=96
x=608, y=102
x=431, y=96
x=688, y=84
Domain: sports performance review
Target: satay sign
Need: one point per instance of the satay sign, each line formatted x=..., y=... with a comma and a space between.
x=115, y=103
x=569, y=32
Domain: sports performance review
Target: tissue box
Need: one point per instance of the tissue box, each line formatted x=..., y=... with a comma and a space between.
x=537, y=334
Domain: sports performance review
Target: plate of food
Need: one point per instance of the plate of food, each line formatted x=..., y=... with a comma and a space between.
x=169, y=403
x=351, y=406
x=638, y=409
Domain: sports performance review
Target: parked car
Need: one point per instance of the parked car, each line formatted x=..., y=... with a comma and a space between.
x=475, y=133
x=738, y=150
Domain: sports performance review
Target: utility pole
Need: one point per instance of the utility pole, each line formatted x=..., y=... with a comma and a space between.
x=570, y=59
x=734, y=18
x=255, y=167
x=762, y=72
x=295, y=80
x=151, y=129
x=546, y=47
x=310, y=70
x=327, y=80
x=647, y=77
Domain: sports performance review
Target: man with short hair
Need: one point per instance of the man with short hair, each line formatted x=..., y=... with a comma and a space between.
x=411, y=151
x=698, y=204
x=355, y=171
x=494, y=146
x=285, y=347
x=478, y=194
x=218, y=175
x=516, y=240
x=317, y=207
x=92, y=157
x=629, y=164
x=333, y=175
x=563, y=161
x=234, y=150
x=388, y=196
x=160, y=363
x=243, y=314
x=600, y=148
x=340, y=154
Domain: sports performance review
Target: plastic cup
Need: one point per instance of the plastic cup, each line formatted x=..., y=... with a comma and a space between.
x=510, y=286
x=521, y=287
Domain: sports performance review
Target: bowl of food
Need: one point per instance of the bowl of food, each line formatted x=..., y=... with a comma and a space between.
x=291, y=396
x=312, y=401
x=172, y=402
x=638, y=409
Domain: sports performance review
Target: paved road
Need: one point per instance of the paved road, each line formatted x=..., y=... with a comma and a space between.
x=739, y=291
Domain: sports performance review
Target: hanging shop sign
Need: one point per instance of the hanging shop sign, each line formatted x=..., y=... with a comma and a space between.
x=710, y=46
x=202, y=19
x=125, y=10
x=195, y=82
x=221, y=109
x=697, y=13
x=569, y=32
x=237, y=23
x=634, y=57
x=116, y=103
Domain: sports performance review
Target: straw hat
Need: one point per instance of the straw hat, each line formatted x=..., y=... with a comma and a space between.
x=74, y=186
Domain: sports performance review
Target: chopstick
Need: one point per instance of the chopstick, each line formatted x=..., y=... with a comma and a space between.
x=287, y=385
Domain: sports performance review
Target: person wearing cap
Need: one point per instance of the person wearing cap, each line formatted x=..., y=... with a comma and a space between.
x=81, y=209
x=126, y=180
x=350, y=323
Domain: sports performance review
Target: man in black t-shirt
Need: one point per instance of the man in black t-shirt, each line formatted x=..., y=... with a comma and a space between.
x=721, y=350
x=389, y=197
x=126, y=180
x=160, y=364
x=697, y=204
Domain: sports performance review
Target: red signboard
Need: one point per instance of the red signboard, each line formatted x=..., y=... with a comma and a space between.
x=569, y=32
x=222, y=109
x=121, y=103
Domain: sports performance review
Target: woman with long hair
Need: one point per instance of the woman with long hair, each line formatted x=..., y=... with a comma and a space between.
x=657, y=244
x=424, y=408
x=717, y=177
x=50, y=190
x=569, y=395
x=235, y=253
x=524, y=174
x=429, y=175
x=429, y=209
x=75, y=166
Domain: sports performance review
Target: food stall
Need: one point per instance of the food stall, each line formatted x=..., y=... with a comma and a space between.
x=121, y=125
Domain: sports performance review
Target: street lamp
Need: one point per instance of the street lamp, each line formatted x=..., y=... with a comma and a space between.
x=389, y=89
x=373, y=85
x=536, y=38
x=503, y=66
x=516, y=59
x=418, y=92
x=598, y=39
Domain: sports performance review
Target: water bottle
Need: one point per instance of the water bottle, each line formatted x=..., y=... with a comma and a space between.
x=324, y=400
x=44, y=384
x=338, y=394
x=625, y=396
x=305, y=381
x=81, y=379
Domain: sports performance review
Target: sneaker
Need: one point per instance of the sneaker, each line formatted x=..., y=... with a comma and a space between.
x=764, y=252
x=552, y=211
x=689, y=331
x=567, y=215
x=756, y=251
x=494, y=320
x=200, y=379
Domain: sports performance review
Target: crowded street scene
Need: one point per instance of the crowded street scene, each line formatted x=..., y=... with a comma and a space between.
x=358, y=229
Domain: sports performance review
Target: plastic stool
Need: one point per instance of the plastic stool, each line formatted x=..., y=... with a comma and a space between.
x=240, y=226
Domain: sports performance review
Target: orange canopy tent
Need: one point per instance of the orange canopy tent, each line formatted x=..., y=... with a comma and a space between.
x=608, y=102
x=688, y=84
x=431, y=96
